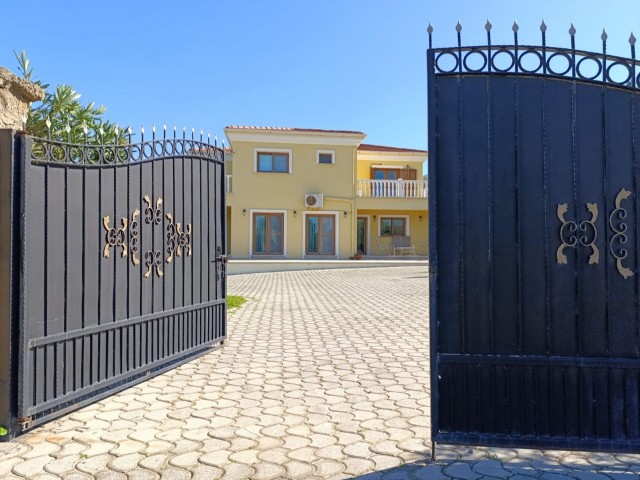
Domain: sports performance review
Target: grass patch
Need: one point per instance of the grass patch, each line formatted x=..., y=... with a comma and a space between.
x=235, y=301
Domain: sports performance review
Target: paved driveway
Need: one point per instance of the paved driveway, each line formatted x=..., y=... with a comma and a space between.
x=324, y=375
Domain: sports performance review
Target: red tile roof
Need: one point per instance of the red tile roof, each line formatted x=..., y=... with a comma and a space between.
x=380, y=148
x=288, y=129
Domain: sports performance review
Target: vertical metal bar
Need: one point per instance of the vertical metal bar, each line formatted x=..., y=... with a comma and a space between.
x=223, y=236
x=459, y=30
x=576, y=202
x=66, y=279
x=488, y=29
x=489, y=132
x=83, y=301
x=461, y=223
x=635, y=165
x=433, y=246
x=606, y=203
x=632, y=42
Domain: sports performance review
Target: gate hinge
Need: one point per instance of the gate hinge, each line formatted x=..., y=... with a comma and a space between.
x=25, y=422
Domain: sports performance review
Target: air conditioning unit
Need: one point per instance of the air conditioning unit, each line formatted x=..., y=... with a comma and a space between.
x=313, y=200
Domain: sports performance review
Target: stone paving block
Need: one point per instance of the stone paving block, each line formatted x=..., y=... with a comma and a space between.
x=236, y=471
x=109, y=475
x=171, y=473
x=430, y=472
x=461, y=470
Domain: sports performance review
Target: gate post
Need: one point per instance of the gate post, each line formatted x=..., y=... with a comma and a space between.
x=9, y=281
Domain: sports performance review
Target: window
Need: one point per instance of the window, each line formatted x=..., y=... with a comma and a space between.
x=326, y=156
x=277, y=162
x=321, y=237
x=393, y=226
x=268, y=234
x=393, y=173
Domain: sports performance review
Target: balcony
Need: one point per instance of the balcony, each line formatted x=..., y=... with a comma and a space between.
x=227, y=183
x=392, y=188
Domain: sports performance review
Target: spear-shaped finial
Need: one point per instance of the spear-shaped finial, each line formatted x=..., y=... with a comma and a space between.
x=458, y=27
x=142, y=129
x=572, y=30
x=429, y=29
x=116, y=130
x=543, y=26
x=86, y=130
x=67, y=128
x=153, y=128
x=48, y=123
x=487, y=26
x=515, y=27
x=632, y=39
x=604, y=36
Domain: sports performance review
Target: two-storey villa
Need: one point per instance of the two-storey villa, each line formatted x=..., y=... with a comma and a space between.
x=307, y=193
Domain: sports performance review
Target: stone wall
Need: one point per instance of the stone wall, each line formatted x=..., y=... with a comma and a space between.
x=15, y=96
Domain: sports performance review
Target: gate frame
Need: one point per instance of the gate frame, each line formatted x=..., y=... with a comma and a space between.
x=15, y=341
x=461, y=70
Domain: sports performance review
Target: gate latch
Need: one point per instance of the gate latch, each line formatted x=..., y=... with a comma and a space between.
x=224, y=259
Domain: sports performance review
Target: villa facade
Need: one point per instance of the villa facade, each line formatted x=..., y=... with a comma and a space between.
x=322, y=194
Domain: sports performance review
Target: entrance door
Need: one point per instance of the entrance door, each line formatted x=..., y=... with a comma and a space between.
x=361, y=227
x=321, y=236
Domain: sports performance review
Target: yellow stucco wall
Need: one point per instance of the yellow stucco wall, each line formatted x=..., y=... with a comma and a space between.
x=418, y=229
x=285, y=192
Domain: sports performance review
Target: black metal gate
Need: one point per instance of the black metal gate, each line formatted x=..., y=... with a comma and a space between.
x=534, y=183
x=119, y=266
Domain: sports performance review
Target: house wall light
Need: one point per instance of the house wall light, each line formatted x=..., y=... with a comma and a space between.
x=345, y=214
x=420, y=217
x=295, y=212
x=244, y=211
x=375, y=218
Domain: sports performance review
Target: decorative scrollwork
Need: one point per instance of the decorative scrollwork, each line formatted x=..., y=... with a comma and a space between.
x=571, y=238
x=153, y=260
x=134, y=237
x=151, y=214
x=620, y=237
x=568, y=235
x=590, y=234
x=177, y=239
x=171, y=237
x=115, y=237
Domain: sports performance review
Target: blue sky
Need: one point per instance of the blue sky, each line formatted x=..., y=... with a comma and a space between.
x=335, y=64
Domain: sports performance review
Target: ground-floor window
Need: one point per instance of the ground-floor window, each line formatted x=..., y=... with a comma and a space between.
x=268, y=233
x=393, y=226
x=320, y=235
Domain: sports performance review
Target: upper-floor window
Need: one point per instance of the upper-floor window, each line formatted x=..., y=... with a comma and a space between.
x=278, y=162
x=393, y=173
x=326, y=156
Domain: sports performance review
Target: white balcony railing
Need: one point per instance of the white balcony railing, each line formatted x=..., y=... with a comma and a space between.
x=392, y=188
x=227, y=183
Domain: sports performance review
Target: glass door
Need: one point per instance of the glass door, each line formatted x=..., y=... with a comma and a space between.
x=321, y=237
x=361, y=227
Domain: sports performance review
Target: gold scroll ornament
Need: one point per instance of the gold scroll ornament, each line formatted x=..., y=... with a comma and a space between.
x=619, y=236
x=573, y=234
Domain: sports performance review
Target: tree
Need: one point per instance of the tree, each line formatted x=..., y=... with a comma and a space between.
x=62, y=117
